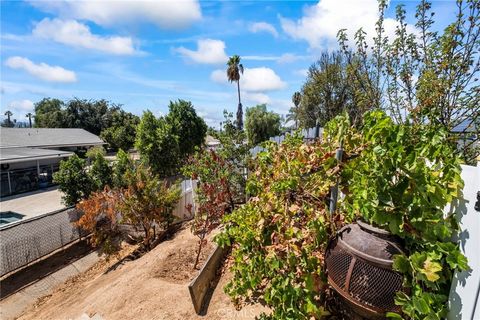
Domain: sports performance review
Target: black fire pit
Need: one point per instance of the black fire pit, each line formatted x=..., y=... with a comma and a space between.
x=359, y=267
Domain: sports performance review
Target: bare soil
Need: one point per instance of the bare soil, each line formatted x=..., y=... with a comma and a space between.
x=178, y=265
x=155, y=286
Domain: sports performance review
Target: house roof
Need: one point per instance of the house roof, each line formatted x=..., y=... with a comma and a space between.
x=11, y=155
x=47, y=138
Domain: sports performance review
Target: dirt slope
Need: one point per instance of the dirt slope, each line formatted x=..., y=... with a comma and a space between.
x=150, y=287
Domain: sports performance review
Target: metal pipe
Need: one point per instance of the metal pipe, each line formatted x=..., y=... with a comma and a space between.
x=334, y=192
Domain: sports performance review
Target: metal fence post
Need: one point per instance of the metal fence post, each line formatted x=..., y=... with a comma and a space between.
x=334, y=192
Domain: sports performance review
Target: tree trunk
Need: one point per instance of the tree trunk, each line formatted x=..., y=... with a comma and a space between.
x=239, y=110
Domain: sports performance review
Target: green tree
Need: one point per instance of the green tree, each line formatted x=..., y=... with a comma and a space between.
x=157, y=144
x=121, y=131
x=100, y=172
x=73, y=180
x=187, y=126
x=422, y=77
x=146, y=137
x=327, y=91
x=234, y=70
x=235, y=151
x=49, y=113
x=123, y=165
x=261, y=124
x=148, y=202
x=90, y=115
x=93, y=152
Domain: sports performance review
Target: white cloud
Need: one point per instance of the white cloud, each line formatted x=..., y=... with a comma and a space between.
x=22, y=105
x=289, y=58
x=321, y=22
x=263, y=27
x=282, y=59
x=165, y=14
x=42, y=70
x=76, y=34
x=209, y=51
x=301, y=72
x=256, y=98
x=260, y=58
x=253, y=79
x=261, y=79
x=219, y=76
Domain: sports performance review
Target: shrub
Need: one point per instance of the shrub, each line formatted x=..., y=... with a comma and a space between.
x=73, y=180
x=148, y=202
x=101, y=219
x=123, y=165
x=396, y=176
x=100, y=172
x=214, y=196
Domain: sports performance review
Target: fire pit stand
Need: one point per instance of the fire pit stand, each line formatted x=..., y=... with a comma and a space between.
x=359, y=267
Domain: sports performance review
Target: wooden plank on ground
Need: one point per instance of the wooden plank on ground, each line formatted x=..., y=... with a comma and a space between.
x=199, y=286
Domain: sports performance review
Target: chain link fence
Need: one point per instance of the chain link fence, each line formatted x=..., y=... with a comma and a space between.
x=25, y=241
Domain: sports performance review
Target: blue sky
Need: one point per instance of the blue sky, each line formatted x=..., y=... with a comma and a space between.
x=142, y=54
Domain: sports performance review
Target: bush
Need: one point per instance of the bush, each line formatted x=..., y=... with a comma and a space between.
x=146, y=202
x=100, y=218
x=100, y=172
x=123, y=165
x=395, y=176
x=73, y=180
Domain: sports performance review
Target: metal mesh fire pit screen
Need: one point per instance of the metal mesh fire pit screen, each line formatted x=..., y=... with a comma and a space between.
x=359, y=265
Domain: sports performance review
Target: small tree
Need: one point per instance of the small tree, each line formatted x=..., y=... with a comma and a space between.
x=123, y=165
x=214, y=195
x=261, y=124
x=187, y=125
x=93, y=152
x=148, y=202
x=100, y=172
x=122, y=130
x=100, y=218
x=157, y=144
x=49, y=113
x=422, y=76
x=73, y=180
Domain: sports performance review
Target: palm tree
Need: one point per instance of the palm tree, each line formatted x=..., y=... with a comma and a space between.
x=29, y=115
x=235, y=68
x=296, y=98
x=8, y=113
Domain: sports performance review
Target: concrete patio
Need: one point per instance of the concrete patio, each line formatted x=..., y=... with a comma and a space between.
x=34, y=203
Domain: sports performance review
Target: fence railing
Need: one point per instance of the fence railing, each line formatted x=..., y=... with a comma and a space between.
x=25, y=241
